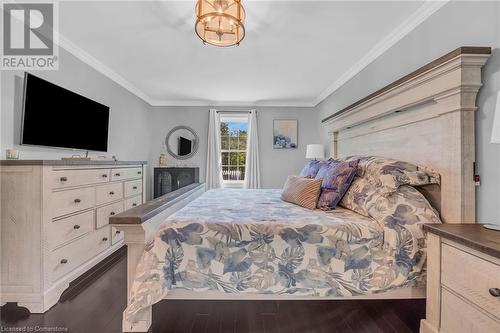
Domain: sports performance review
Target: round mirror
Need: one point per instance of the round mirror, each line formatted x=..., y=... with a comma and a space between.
x=182, y=142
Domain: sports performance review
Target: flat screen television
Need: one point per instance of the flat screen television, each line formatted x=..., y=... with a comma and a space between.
x=184, y=146
x=56, y=117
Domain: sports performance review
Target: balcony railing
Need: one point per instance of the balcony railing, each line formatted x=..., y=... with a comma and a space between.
x=231, y=173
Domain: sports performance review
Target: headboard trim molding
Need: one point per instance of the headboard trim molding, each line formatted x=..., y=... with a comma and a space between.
x=427, y=119
x=464, y=50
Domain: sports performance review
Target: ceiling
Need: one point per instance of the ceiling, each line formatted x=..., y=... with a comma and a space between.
x=295, y=53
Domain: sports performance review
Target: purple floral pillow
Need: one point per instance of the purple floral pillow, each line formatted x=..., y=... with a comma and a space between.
x=337, y=177
x=311, y=169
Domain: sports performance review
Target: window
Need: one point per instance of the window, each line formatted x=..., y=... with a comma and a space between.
x=233, y=130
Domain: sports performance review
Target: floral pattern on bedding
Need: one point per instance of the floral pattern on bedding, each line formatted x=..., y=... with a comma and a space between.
x=250, y=241
x=388, y=174
x=404, y=206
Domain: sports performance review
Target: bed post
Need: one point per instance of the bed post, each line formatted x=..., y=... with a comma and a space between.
x=136, y=237
x=139, y=226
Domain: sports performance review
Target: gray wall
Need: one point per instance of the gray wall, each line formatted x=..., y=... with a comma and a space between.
x=129, y=116
x=276, y=164
x=456, y=24
x=137, y=129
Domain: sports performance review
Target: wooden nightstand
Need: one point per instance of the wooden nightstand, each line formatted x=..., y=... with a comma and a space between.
x=463, y=279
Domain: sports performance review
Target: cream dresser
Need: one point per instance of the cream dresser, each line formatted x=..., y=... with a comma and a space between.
x=463, y=279
x=54, y=223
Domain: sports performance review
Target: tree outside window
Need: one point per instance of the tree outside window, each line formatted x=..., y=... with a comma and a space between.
x=233, y=149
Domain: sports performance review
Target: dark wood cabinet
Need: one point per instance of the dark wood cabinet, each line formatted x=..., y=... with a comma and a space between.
x=169, y=179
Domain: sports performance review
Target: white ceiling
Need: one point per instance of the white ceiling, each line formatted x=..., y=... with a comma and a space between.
x=294, y=54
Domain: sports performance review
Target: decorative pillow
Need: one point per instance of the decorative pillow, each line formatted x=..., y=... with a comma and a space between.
x=405, y=206
x=400, y=213
x=301, y=191
x=388, y=174
x=337, y=177
x=358, y=196
x=311, y=169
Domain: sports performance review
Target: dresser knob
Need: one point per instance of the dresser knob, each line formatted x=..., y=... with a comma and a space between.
x=134, y=188
x=117, y=175
x=495, y=292
x=111, y=193
x=117, y=232
x=63, y=179
x=76, y=226
x=104, y=176
x=112, y=213
x=104, y=239
x=139, y=172
x=77, y=200
x=134, y=204
x=64, y=261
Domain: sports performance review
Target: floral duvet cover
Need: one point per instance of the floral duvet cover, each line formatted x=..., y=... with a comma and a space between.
x=250, y=241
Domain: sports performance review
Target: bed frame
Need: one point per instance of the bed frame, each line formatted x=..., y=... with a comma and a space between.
x=426, y=117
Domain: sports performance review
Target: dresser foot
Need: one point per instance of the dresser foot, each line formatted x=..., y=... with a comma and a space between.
x=13, y=312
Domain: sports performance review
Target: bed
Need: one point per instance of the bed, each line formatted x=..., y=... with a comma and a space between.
x=248, y=244
x=252, y=242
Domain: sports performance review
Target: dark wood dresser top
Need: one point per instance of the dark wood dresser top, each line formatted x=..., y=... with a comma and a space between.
x=70, y=162
x=474, y=236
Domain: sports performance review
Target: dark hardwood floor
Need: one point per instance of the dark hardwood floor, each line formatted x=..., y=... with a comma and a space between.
x=99, y=307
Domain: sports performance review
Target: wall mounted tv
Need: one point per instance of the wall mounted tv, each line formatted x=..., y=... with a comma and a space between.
x=184, y=146
x=56, y=117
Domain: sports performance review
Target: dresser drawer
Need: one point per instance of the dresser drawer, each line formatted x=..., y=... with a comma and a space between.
x=67, y=229
x=71, y=256
x=116, y=235
x=133, y=202
x=126, y=173
x=103, y=213
x=108, y=193
x=70, y=201
x=458, y=316
x=133, y=187
x=471, y=277
x=69, y=178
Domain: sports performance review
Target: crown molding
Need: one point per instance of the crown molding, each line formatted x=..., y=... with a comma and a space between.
x=285, y=103
x=423, y=13
x=414, y=20
x=84, y=56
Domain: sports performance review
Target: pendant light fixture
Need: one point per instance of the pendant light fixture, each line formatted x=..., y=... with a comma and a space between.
x=220, y=22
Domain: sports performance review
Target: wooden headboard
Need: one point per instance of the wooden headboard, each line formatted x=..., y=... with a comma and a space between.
x=427, y=118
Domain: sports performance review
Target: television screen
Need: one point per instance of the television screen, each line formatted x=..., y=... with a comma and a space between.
x=184, y=146
x=56, y=117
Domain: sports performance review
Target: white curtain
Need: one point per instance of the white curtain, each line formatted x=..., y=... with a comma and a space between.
x=213, y=177
x=252, y=176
